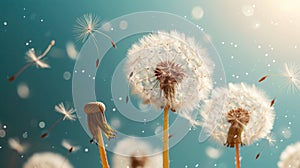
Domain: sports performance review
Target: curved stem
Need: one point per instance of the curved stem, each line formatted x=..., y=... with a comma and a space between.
x=102, y=151
x=166, y=138
x=237, y=155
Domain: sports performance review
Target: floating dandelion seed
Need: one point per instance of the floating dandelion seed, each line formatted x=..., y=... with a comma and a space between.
x=97, y=122
x=66, y=144
x=137, y=156
x=33, y=59
x=86, y=27
x=68, y=114
x=47, y=160
x=18, y=147
x=290, y=157
x=292, y=77
x=169, y=71
x=237, y=115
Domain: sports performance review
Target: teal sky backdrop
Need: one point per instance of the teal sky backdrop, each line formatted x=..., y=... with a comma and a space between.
x=249, y=47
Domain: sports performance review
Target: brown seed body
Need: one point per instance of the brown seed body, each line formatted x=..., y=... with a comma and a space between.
x=137, y=162
x=238, y=119
x=169, y=75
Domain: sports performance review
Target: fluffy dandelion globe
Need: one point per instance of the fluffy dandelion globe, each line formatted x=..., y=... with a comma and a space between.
x=237, y=115
x=242, y=103
x=290, y=157
x=169, y=69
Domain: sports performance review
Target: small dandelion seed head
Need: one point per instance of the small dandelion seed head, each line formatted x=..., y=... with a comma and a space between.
x=290, y=157
x=85, y=26
x=96, y=119
x=68, y=113
x=239, y=106
x=163, y=66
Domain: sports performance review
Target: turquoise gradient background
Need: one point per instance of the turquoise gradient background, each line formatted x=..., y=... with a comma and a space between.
x=223, y=21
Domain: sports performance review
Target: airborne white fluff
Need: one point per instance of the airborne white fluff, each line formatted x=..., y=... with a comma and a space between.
x=236, y=96
x=290, y=157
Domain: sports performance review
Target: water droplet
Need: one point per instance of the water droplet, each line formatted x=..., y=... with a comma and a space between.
x=67, y=75
x=2, y=133
x=86, y=150
x=42, y=124
x=25, y=135
x=5, y=23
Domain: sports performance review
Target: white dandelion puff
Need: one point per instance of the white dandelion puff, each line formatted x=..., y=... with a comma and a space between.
x=160, y=56
x=33, y=59
x=237, y=115
x=47, y=160
x=68, y=114
x=17, y=146
x=169, y=71
x=133, y=153
x=290, y=157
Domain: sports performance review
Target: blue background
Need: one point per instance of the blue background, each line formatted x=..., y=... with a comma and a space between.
x=244, y=44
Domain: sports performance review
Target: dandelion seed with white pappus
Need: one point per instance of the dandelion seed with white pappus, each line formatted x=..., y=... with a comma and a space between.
x=237, y=115
x=291, y=73
x=170, y=71
x=33, y=59
x=86, y=27
x=68, y=114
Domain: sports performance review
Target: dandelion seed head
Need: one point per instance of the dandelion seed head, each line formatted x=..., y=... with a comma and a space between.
x=240, y=104
x=17, y=146
x=96, y=119
x=47, y=160
x=68, y=113
x=169, y=69
x=135, y=153
x=86, y=25
x=290, y=157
